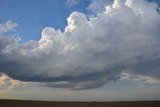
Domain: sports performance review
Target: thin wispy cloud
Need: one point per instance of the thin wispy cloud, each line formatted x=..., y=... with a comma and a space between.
x=9, y=25
x=71, y=3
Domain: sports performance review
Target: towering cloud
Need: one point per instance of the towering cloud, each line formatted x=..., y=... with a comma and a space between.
x=89, y=53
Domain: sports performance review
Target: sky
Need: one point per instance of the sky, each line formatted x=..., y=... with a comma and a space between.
x=80, y=50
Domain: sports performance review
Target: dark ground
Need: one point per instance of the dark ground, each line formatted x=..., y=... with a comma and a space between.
x=21, y=103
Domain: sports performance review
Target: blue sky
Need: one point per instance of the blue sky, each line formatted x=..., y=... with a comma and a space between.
x=103, y=58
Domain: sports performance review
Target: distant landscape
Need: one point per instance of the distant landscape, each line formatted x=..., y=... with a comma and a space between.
x=79, y=53
x=23, y=103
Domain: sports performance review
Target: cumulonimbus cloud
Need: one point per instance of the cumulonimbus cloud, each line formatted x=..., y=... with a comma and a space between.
x=90, y=52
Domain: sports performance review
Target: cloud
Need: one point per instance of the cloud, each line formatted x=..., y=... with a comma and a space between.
x=6, y=83
x=140, y=78
x=89, y=53
x=9, y=25
x=71, y=3
x=97, y=6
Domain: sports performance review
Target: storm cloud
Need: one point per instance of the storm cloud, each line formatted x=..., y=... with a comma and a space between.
x=90, y=52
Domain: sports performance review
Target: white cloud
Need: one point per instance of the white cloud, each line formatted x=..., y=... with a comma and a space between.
x=71, y=3
x=6, y=83
x=97, y=6
x=9, y=25
x=89, y=53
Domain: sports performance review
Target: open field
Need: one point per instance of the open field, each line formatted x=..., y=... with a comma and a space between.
x=21, y=103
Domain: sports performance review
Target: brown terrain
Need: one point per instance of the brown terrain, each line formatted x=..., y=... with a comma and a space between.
x=21, y=103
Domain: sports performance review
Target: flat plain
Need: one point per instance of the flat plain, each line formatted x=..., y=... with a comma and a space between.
x=23, y=103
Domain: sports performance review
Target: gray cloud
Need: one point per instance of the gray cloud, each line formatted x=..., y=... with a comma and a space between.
x=89, y=53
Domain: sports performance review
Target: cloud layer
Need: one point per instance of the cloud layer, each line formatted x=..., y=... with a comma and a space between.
x=89, y=53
